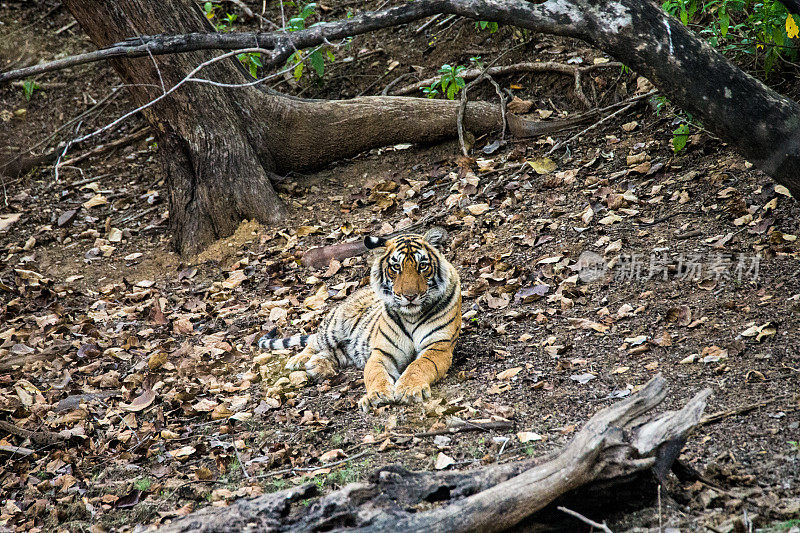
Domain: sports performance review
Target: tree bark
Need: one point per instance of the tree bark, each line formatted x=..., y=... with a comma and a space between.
x=622, y=449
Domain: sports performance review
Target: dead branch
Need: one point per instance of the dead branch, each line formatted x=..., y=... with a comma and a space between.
x=19, y=166
x=39, y=437
x=468, y=426
x=602, y=527
x=618, y=445
x=721, y=415
x=627, y=104
x=16, y=450
x=131, y=138
x=538, y=17
x=463, y=107
x=504, y=70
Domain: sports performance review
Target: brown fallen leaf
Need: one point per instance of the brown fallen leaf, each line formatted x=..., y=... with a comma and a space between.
x=583, y=323
x=332, y=455
x=157, y=360
x=443, y=461
x=156, y=315
x=519, y=106
x=141, y=402
x=508, y=374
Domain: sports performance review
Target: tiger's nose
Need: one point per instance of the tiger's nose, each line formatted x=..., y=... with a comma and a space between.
x=408, y=295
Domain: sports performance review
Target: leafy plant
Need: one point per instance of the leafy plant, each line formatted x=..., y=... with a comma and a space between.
x=763, y=30
x=142, y=484
x=483, y=25
x=684, y=121
x=251, y=61
x=680, y=136
x=316, y=58
x=221, y=21
x=683, y=9
x=451, y=80
x=28, y=88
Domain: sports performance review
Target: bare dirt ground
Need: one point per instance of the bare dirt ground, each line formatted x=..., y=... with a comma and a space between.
x=136, y=371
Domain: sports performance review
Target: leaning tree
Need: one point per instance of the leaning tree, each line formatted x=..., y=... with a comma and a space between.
x=221, y=145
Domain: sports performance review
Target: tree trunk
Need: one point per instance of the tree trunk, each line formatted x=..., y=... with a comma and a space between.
x=615, y=462
x=219, y=145
x=215, y=177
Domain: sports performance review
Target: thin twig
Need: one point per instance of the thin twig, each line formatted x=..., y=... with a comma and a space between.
x=720, y=415
x=468, y=426
x=188, y=78
x=428, y=23
x=603, y=120
x=103, y=148
x=312, y=468
x=397, y=80
x=660, y=526
x=602, y=527
x=66, y=147
x=239, y=458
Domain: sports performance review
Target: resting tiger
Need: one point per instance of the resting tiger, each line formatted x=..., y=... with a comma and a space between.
x=401, y=329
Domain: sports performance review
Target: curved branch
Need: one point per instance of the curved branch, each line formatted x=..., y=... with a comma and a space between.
x=548, y=17
x=504, y=70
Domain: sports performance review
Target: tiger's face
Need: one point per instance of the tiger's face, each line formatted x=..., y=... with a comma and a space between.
x=409, y=274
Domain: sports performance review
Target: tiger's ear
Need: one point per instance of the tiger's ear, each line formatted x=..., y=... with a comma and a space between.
x=437, y=236
x=374, y=242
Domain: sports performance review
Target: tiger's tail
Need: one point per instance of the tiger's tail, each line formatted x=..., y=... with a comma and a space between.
x=269, y=342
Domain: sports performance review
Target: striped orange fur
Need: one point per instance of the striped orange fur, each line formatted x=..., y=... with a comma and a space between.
x=401, y=329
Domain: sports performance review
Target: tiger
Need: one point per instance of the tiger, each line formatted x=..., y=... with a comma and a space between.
x=401, y=329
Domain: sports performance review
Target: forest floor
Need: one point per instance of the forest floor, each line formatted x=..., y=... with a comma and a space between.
x=135, y=370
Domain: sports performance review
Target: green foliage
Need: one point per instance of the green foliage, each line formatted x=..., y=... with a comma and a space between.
x=780, y=527
x=485, y=25
x=430, y=92
x=276, y=485
x=317, y=57
x=680, y=136
x=529, y=450
x=343, y=476
x=683, y=9
x=762, y=30
x=451, y=80
x=222, y=21
x=251, y=61
x=685, y=122
x=142, y=484
x=28, y=88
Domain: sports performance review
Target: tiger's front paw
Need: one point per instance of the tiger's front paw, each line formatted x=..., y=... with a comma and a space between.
x=298, y=362
x=408, y=392
x=376, y=398
x=319, y=367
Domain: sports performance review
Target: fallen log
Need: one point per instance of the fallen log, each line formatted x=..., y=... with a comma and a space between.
x=621, y=449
